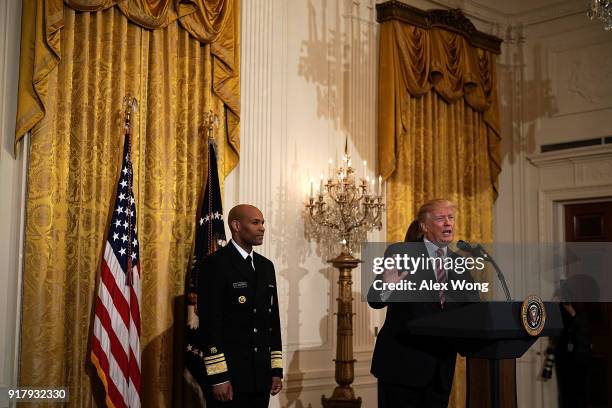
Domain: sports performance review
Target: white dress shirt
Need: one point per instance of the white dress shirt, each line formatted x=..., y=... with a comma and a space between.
x=244, y=253
x=431, y=251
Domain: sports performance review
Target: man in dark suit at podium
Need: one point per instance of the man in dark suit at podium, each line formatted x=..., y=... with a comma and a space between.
x=411, y=371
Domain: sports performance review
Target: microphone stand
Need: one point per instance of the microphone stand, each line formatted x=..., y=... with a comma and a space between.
x=500, y=275
x=479, y=250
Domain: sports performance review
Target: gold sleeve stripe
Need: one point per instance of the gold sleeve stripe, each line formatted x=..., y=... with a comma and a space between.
x=277, y=363
x=214, y=357
x=217, y=368
x=276, y=352
x=214, y=361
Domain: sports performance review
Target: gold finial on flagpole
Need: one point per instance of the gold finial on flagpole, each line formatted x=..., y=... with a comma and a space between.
x=130, y=106
x=210, y=124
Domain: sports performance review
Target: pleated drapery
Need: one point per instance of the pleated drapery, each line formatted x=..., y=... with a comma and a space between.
x=214, y=22
x=73, y=110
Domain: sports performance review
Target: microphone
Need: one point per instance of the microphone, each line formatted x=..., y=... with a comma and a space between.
x=473, y=250
x=478, y=250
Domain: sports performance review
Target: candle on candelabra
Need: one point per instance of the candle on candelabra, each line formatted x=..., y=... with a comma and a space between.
x=329, y=169
x=365, y=169
x=311, y=189
x=321, y=185
x=379, y=186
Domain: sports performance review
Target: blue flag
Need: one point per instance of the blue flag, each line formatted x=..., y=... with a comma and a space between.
x=210, y=235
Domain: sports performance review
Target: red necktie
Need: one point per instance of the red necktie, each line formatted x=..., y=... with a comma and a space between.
x=441, y=274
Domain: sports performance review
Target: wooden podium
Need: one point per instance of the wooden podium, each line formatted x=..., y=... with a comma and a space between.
x=491, y=336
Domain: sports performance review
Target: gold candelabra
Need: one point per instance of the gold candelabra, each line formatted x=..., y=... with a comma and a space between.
x=343, y=211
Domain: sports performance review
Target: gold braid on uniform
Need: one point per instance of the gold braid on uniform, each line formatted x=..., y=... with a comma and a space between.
x=276, y=359
x=215, y=364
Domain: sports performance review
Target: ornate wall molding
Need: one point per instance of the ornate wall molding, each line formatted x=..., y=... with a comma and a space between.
x=544, y=14
x=582, y=68
x=583, y=173
x=451, y=20
x=570, y=156
x=535, y=14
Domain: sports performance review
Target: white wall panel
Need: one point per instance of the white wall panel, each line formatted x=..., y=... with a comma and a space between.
x=12, y=193
x=308, y=82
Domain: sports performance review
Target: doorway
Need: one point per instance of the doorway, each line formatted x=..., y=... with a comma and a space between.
x=592, y=222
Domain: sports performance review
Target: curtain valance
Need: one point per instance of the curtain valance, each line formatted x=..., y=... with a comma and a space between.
x=437, y=50
x=213, y=22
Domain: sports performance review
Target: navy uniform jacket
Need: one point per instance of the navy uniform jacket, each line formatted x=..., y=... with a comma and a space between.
x=239, y=321
x=412, y=361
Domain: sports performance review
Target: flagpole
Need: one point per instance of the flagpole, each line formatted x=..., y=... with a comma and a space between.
x=211, y=124
x=209, y=235
x=130, y=106
x=120, y=269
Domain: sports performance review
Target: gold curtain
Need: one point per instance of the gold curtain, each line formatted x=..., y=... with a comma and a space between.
x=215, y=22
x=72, y=106
x=438, y=129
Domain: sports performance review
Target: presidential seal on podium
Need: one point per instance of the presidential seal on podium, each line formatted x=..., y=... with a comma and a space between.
x=533, y=315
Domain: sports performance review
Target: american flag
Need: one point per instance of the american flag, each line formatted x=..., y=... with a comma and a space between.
x=210, y=235
x=116, y=334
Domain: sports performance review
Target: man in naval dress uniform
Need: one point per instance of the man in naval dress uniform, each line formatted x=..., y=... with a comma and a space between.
x=239, y=319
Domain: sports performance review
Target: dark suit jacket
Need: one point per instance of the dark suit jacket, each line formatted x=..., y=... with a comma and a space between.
x=400, y=358
x=239, y=321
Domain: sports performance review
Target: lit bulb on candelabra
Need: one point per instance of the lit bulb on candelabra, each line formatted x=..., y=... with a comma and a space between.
x=311, y=189
x=321, y=185
x=365, y=169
